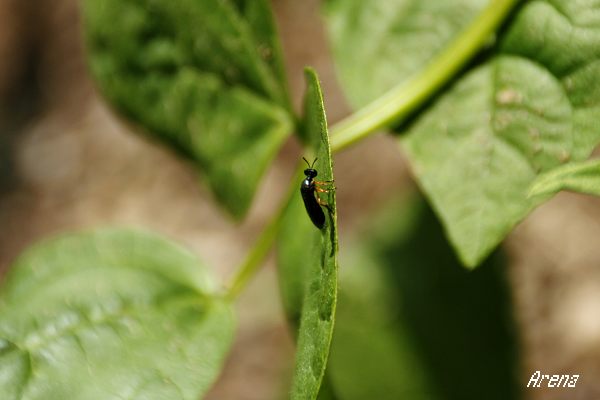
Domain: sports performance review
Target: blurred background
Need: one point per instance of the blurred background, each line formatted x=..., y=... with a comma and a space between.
x=68, y=162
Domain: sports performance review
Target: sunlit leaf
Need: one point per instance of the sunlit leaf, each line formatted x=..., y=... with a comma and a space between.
x=389, y=41
x=111, y=314
x=529, y=108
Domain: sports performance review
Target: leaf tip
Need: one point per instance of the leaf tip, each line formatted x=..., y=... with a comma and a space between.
x=310, y=73
x=470, y=261
x=472, y=255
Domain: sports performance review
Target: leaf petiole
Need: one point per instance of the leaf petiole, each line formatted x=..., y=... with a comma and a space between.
x=405, y=98
x=263, y=244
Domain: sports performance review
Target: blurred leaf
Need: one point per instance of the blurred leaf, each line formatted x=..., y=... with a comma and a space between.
x=390, y=40
x=204, y=76
x=259, y=16
x=307, y=259
x=110, y=315
x=372, y=353
x=530, y=108
x=581, y=177
x=412, y=324
x=372, y=356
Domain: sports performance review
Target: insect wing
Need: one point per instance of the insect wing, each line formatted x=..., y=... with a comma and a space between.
x=313, y=209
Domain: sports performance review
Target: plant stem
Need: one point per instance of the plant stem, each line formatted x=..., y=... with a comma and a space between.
x=255, y=257
x=405, y=98
x=263, y=244
x=390, y=108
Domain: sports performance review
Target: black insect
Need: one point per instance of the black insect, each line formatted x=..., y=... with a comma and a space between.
x=310, y=189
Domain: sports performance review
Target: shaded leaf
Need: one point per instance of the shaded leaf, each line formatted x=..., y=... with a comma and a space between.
x=111, y=314
x=372, y=355
x=307, y=259
x=326, y=391
x=530, y=108
x=390, y=40
x=259, y=16
x=412, y=324
x=204, y=76
x=581, y=177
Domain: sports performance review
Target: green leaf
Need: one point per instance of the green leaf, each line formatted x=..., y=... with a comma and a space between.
x=259, y=16
x=204, y=76
x=110, y=314
x=307, y=259
x=529, y=108
x=581, y=177
x=412, y=323
x=390, y=40
x=372, y=355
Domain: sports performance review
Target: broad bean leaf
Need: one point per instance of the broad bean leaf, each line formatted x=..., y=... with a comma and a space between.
x=204, y=76
x=307, y=260
x=389, y=41
x=581, y=177
x=530, y=107
x=412, y=323
x=110, y=314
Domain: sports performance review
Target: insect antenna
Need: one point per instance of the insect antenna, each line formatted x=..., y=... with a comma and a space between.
x=309, y=164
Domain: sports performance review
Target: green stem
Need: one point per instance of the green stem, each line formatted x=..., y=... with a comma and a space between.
x=405, y=98
x=388, y=109
x=263, y=244
x=256, y=256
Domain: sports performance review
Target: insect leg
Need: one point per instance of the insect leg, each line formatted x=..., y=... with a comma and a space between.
x=324, y=204
x=325, y=183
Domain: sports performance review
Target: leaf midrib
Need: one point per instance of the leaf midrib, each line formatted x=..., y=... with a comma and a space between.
x=126, y=310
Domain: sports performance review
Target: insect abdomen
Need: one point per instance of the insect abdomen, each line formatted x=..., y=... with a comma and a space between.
x=313, y=208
